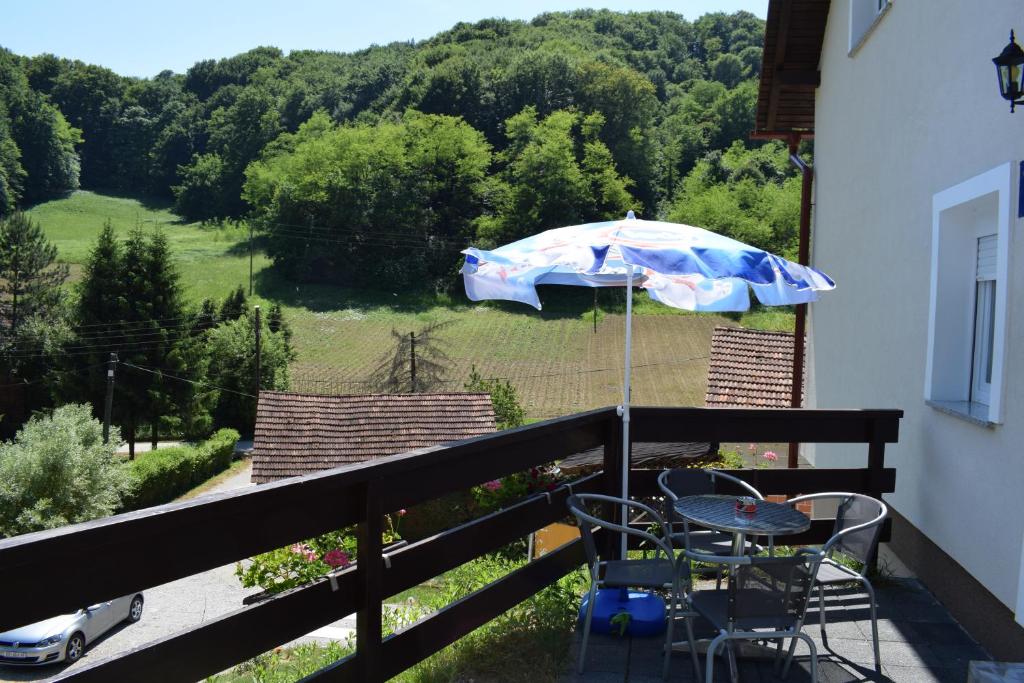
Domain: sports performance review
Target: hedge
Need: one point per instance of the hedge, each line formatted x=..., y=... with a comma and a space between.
x=163, y=475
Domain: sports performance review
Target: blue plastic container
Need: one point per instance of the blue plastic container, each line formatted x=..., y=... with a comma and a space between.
x=646, y=611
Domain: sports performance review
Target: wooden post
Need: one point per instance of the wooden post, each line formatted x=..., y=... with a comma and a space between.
x=613, y=482
x=412, y=360
x=108, y=406
x=250, y=258
x=368, y=565
x=803, y=258
x=876, y=463
x=259, y=333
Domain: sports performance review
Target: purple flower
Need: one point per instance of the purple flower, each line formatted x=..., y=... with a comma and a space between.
x=337, y=558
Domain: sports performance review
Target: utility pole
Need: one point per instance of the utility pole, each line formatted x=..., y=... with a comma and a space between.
x=250, y=258
x=259, y=330
x=109, y=405
x=412, y=360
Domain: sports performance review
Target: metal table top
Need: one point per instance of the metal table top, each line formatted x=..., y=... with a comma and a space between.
x=719, y=512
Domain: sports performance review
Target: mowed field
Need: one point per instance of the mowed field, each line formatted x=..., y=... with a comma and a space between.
x=555, y=359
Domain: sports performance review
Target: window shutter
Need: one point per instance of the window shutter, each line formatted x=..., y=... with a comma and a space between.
x=986, y=269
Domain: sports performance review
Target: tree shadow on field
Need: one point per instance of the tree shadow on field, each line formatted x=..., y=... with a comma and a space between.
x=271, y=283
x=149, y=201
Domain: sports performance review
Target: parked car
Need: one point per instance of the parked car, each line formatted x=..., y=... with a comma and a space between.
x=64, y=638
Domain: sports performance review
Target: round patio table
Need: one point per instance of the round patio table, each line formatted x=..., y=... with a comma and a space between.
x=719, y=512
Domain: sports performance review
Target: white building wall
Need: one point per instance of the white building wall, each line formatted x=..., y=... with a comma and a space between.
x=913, y=112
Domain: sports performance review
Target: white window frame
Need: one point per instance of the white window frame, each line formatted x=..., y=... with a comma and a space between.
x=859, y=28
x=998, y=182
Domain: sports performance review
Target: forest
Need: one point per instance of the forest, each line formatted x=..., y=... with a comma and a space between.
x=483, y=133
x=368, y=170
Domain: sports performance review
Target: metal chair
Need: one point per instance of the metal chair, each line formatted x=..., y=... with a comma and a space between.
x=855, y=534
x=693, y=482
x=659, y=572
x=765, y=599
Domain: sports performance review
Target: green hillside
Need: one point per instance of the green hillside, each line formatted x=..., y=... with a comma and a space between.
x=555, y=359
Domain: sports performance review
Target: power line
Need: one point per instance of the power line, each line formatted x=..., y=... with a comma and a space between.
x=79, y=371
x=183, y=379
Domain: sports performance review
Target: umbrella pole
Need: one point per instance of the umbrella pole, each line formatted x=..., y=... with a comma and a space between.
x=625, y=403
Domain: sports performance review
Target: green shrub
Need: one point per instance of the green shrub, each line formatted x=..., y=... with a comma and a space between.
x=163, y=475
x=58, y=471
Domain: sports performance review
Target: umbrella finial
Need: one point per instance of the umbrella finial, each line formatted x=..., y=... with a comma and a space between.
x=630, y=215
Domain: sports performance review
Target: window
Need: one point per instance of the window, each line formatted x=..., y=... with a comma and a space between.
x=984, y=320
x=864, y=15
x=968, y=299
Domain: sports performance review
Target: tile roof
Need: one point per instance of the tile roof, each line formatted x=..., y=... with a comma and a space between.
x=303, y=433
x=750, y=368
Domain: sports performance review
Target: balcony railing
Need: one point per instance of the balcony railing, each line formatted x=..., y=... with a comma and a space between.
x=57, y=571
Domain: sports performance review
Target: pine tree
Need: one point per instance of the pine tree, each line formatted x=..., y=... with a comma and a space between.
x=277, y=323
x=131, y=303
x=30, y=276
x=234, y=306
x=31, y=318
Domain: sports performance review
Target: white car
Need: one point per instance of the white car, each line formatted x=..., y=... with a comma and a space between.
x=64, y=638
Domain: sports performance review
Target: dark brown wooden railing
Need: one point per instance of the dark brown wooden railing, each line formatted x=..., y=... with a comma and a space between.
x=60, y=570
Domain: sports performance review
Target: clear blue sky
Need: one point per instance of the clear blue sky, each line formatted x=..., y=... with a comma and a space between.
x=142, y=38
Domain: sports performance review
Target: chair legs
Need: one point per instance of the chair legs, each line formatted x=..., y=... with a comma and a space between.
x=693, y=648
x=586, y=625
x=869, y=589
x=733, y=673
x=821, y=615
x=814, y=656
x=668, y=631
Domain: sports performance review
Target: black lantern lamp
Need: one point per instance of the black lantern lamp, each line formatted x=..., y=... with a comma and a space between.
x=1010, y=67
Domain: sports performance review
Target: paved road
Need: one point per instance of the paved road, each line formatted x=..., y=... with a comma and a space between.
x=169, y=608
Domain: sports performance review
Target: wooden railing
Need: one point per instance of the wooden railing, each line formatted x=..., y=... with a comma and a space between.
x=57, y=571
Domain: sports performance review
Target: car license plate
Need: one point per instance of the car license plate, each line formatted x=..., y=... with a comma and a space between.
x=14, y=654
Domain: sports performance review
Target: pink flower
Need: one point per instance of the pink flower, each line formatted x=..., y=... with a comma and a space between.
x=492, y=485
x=337, y=558
x=304, y=550
x=402, y=512
x=752, y=447
x=770, y=456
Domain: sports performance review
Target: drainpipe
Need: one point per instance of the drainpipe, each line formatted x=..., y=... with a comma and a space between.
x=803, y=257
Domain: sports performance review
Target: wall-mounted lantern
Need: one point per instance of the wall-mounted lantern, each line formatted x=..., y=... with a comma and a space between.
x=1010, y=67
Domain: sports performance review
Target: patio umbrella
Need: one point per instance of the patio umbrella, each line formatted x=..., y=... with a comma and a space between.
x=679, y=265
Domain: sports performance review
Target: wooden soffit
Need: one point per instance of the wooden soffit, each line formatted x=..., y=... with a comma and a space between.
x=793, y=36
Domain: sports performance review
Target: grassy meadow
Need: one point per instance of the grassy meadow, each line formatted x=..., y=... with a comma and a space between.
x=554, y=357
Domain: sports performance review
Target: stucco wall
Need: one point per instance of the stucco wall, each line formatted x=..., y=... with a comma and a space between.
x=915, y=111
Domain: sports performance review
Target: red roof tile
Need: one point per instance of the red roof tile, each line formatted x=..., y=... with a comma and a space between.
x=303, y=433
x=750, y=368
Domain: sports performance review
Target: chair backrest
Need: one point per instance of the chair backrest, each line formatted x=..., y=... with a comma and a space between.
x=858, y=523
x=858, y=511
x=577, y=504
x=681, y=482
x=774, y=590
x=693, y=482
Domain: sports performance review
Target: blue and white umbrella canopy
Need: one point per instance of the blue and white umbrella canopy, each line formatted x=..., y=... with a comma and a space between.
x=679, y=265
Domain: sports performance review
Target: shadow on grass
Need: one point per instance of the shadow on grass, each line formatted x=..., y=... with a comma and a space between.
x=273, y=284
